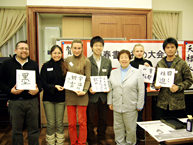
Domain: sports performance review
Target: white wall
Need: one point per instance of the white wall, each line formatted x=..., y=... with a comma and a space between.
x=12, y=3
x=94, y=3
x=185, y=7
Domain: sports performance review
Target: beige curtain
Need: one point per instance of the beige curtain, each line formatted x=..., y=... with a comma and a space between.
x=10, y=22
x=165, y=25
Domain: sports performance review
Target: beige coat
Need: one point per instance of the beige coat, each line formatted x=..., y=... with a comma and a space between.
x=71, y=97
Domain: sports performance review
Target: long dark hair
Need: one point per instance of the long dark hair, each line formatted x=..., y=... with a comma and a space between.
x=63, y=64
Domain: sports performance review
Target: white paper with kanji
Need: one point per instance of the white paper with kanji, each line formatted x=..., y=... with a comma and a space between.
x=99, y=83
x=25, y=79
x=165, y=77
x=147, y=72
x=74, y=82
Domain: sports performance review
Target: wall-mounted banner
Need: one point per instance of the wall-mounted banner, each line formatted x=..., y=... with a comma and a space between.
x=189, y=55
x=153, y=49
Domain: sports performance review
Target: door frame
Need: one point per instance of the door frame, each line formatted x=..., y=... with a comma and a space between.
x=32, y=32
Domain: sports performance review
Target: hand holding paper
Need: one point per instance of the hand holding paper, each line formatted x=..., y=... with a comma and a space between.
x=34, y=92
x=59, y=88
x=146, y=64
x=174, y=88
x=158, y=87
x=15, y=91
x=80, y=93
x=91, y=91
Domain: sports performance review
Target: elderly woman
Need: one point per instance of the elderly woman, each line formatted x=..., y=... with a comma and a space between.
x=126, y=98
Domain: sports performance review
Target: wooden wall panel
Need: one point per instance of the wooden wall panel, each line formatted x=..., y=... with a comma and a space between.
x=129, y=26
x=108, y=30
x=87, y=27
x=76, y=27
x=131, y=31
x=72, y=26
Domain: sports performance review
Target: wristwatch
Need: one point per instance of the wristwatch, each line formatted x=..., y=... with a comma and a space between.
x=85, y=90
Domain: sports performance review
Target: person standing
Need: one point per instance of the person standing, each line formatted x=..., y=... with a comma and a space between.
x=53, y=75
x=171, y=101
x=23, y=104
x=100, y=66
x=138, y=52
x=126, y=98
x=78, y=100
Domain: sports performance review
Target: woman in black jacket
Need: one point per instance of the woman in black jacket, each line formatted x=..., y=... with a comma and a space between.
x=53, y=76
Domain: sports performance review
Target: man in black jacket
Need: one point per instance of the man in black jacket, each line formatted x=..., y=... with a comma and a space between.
x=23, y=104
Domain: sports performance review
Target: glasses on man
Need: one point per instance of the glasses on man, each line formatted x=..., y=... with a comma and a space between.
x=23, y=48
x=98, y=45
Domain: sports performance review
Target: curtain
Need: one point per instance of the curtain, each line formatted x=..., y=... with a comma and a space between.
x=8, y=49
x=165, y=25
x=10, y=22
x=13, y=29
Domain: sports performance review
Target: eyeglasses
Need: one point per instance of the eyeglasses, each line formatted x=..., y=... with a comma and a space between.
x=98, y=45
x=23, y=48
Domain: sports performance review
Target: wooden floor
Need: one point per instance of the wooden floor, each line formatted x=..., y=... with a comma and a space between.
x=5, y=136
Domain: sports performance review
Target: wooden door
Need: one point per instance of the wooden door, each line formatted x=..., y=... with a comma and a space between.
x=76, y=27
x=119, y=26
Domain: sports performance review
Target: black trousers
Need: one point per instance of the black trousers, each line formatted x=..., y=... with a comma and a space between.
x=101, y=108
x=28, y=111
x=160, y=113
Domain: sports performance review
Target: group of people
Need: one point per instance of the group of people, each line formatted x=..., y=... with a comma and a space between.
x=126, y=96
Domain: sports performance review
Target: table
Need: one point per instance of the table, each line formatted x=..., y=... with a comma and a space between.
x=160, y=133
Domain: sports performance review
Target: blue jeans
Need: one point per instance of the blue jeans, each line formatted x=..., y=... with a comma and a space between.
x=54, y=114
x=27, y=110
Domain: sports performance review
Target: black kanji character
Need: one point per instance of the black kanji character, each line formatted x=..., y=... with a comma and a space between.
x=160, y=54
x=106, y=54
x=151, y=54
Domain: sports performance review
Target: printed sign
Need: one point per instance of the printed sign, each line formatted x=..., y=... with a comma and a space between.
x=165, y=77
x=74, y=82
x=25, y=79
x=189, y=56
x=99, y=83
x=147, y=72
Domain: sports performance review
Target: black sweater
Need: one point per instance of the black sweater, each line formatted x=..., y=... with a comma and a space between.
x=137, y=61
x=51, y=75
x=8, y=77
